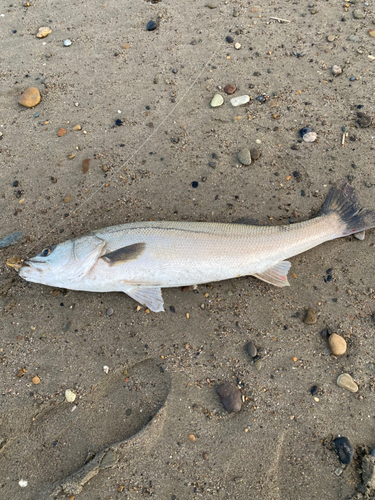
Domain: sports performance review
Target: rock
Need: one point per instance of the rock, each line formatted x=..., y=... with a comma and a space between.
x=336, y=70
x=360, y=236
x=310, y=137
x=371, y=33
x=229, y=39
x=346, y=382
x=331, y=38
x=303, y=131
x=372, y=58
x=363, y=120
x=30, y=97
x=67, y=43
x=368, y=471
x=217, y=101
x=344, y=450
x=251, y=350
x=354, y=38
x=151, y=26
x=109, y=311
x=310, y=318
x=255, y=153
x=230, y=396
x=337, y=344
x=70, y=396
x=35, y=380
x=109, y=459
x=230, y=89
x=43, y=32
x=358, y=14
x=258, y=365
x=237, y=46
x=211, y=6
x=191, y=437
x=77, y=127
x=244, y=156
x=61, y=132
x=240, y=101
x=10, y=240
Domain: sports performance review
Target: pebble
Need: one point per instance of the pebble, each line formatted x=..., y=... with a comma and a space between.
x=346, y=382
x=352, y=79
x=70, y=396
x=211, y=6
x=77, y=127
x=237, y=46
x=372, y=33
x=336, y=70
x=109, y=311
x=258, y=365
x=255, y=153
x=360, y=236
x=251, y=349
x=35, y=380
x=240, y=101
x=61, y=132
x=229, y=39
x=151, y=26
x=191, y=437
x=331, y=38
x=359, y=14
x=43, y=32
x=363, y=120
x=217, y=101
x=344, y=450
x=310, y=137
x=337, y=344
x=304, y=131
x=108, y=460
x=67, y=43
x=22, y=483
x=354, y=38
x=230, y=396
x=10, y=240
x=244, y=156
x=230, y=89
x=30, y=97
x=310, y=318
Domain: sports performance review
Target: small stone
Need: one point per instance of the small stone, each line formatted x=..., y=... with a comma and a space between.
x=346, y=382
x=191, y=437
x=352, y=79
x=236, y=13
x=229, y=39
x=372, y=33
x=67, y=43
x=331, y=38
x=251, y=349
x=61, y=132
x=336, y=70
x=21, y=372
x=211, y=6
x=310, y=137
x=337, y=344
x=354, y=38
x=77, y=127
x=151, y=26
x=310, y=318
x=217, y=101
x=125, y=46
x=109, y=459
x=85, y=165
x=30, y=97
x=303, y=131
x=240, y=101
x=237, y=46
x=205, y=455
x=230, y=396
x=244, y=156
x=344, y=450
x=255, y=153
x=22, y=483
x=35, y=380
x=358, y=14
x=363, y=120
x=360, y=236
x=43, y=32
x=109, y=311
x=10, y=240
x=105, y=168
x=230, y=89
x=70, y=396
x=258, y=365
x=338, y=472
x=373, y=453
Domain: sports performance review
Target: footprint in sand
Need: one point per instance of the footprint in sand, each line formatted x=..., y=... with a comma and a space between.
x=58, y=449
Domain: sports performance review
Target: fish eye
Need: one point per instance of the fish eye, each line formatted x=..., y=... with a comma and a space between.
x=46, y=251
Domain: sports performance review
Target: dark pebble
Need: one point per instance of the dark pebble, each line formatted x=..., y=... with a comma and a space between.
x=304, y=131
x=230, y=89
x=174, y=71
x=15, y=184
x=151, y=26
x=10, y=240
x=295, y=147
x=118, y=122
x=229, y=39
x=255, y=154
x=212, y=164
x=297, y=175
x=329, y=271
x=314, y=390
x=303, y=192
x=329, y=278
x=352, y=79
x=325, y=333
x=251, y=349
x=256, y=73
x=344, y=450
x=230, y=396
x=261, y=98
x=194, y=184
x=363, y=120
x=172, y=309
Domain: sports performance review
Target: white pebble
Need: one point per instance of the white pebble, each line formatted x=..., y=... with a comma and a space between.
x=360, y=236
x=240, y=100
x=70, y=396
x=237, y=46
x=22, y=483
x=216, y=101
x=67, y=43
x=106, y=369
x=310, y=137
x=258, y=141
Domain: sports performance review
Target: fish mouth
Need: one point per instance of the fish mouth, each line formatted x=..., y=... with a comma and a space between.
x=33, y=264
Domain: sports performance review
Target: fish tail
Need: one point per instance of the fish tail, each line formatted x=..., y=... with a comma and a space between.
x=342, y=201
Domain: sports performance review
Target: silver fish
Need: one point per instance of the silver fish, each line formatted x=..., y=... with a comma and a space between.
x=141, y=258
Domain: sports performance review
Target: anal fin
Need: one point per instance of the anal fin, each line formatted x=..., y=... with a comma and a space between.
x=276, y=275
x=149, y=296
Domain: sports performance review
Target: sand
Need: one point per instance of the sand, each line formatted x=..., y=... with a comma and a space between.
x=126, y=433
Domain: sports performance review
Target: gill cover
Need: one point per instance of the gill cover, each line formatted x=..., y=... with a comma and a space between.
x=86, y=252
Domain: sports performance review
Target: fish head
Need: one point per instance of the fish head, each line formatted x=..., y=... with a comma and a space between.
x=64, y=264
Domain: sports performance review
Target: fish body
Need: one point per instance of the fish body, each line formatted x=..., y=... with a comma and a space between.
x=141, y=258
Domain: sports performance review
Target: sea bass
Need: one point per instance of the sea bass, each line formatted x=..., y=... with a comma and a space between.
x=143, y=257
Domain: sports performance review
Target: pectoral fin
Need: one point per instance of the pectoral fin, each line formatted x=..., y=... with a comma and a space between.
x=149, y=296
x=124, y=254
x=276, y=275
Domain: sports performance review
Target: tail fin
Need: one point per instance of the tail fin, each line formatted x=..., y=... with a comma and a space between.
x=342, y=201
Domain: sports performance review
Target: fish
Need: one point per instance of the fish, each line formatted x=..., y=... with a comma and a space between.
x=141, y=258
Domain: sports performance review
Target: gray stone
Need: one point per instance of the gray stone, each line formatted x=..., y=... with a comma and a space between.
x=363, y=120
x=230, y=396
x=359, y=14
x=344, y=450
x=368, y=471
x=354, y=38
x=10, y=240
x=346, y=382
x=109, y=459
x=251, y=349
x=67, y=43
x=244, y=156
x=255, y=153
x=360, y=236
x=336, y=70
